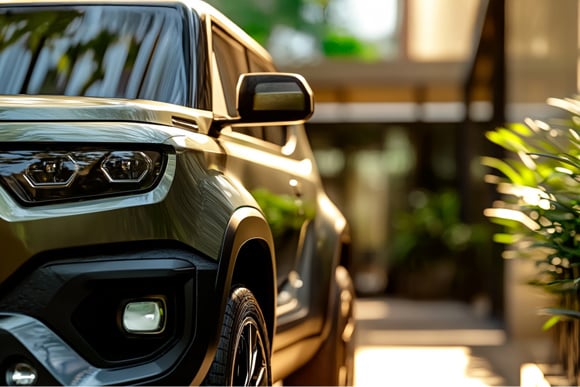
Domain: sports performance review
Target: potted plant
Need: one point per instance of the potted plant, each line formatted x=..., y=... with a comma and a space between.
x=540, y=213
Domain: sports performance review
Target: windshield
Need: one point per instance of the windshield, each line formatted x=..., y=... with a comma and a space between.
x=94, y=50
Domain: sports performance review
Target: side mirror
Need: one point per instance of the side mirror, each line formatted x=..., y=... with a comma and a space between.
x=276, y=98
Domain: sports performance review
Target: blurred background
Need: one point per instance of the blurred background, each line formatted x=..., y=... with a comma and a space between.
x=405, y=93
x=405, y=90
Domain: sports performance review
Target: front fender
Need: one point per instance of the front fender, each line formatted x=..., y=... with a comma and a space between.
x=246, y=228
x=246, y=225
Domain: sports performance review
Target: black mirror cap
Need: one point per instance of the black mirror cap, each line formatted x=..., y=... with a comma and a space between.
x=274, y=98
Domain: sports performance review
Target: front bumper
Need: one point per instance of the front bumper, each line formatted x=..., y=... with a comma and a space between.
x=62, y=317
x=27, y=340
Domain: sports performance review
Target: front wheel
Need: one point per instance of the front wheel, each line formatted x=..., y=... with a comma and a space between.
x=243, y=354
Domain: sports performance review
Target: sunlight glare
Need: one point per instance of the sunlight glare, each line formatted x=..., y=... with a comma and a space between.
x=439, y=366
x=366, y=19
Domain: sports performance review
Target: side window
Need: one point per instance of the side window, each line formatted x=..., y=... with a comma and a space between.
x=258, y=65
x=231, y=62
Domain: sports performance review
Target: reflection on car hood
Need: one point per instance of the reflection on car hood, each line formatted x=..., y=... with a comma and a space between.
x=62, y=108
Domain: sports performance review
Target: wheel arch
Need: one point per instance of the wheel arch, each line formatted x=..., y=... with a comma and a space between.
x=247, y=258
x=254, y=269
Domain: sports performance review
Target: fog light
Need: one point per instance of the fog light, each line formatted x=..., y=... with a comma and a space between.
x=144, y=317
x=21, y=374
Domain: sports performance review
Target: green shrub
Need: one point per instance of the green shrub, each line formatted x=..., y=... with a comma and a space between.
x=430, y=230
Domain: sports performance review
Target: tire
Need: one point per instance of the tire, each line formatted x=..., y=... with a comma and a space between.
x=243, y=353
x=333, y=364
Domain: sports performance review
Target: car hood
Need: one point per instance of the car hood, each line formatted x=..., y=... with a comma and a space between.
x=62, y=108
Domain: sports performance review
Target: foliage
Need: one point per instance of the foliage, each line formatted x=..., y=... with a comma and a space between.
x=258, y=17
x=310, y=17
x=540, y=206
x=432, y=230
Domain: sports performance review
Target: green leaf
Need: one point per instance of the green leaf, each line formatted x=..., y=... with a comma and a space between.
x=521, y=129
x=507, y=139
x=506, y=239
x=504, y=168
x=551, y=322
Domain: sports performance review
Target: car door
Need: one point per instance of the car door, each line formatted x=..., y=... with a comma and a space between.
x=268, y=162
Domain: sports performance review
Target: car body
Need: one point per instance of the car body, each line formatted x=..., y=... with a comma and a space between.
x=162, y=220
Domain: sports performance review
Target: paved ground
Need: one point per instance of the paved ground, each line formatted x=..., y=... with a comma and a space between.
x=440, y=343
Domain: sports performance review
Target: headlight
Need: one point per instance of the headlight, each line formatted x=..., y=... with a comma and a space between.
x=35, y=176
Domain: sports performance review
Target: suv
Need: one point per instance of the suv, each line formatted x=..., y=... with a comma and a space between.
x=162, y=220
